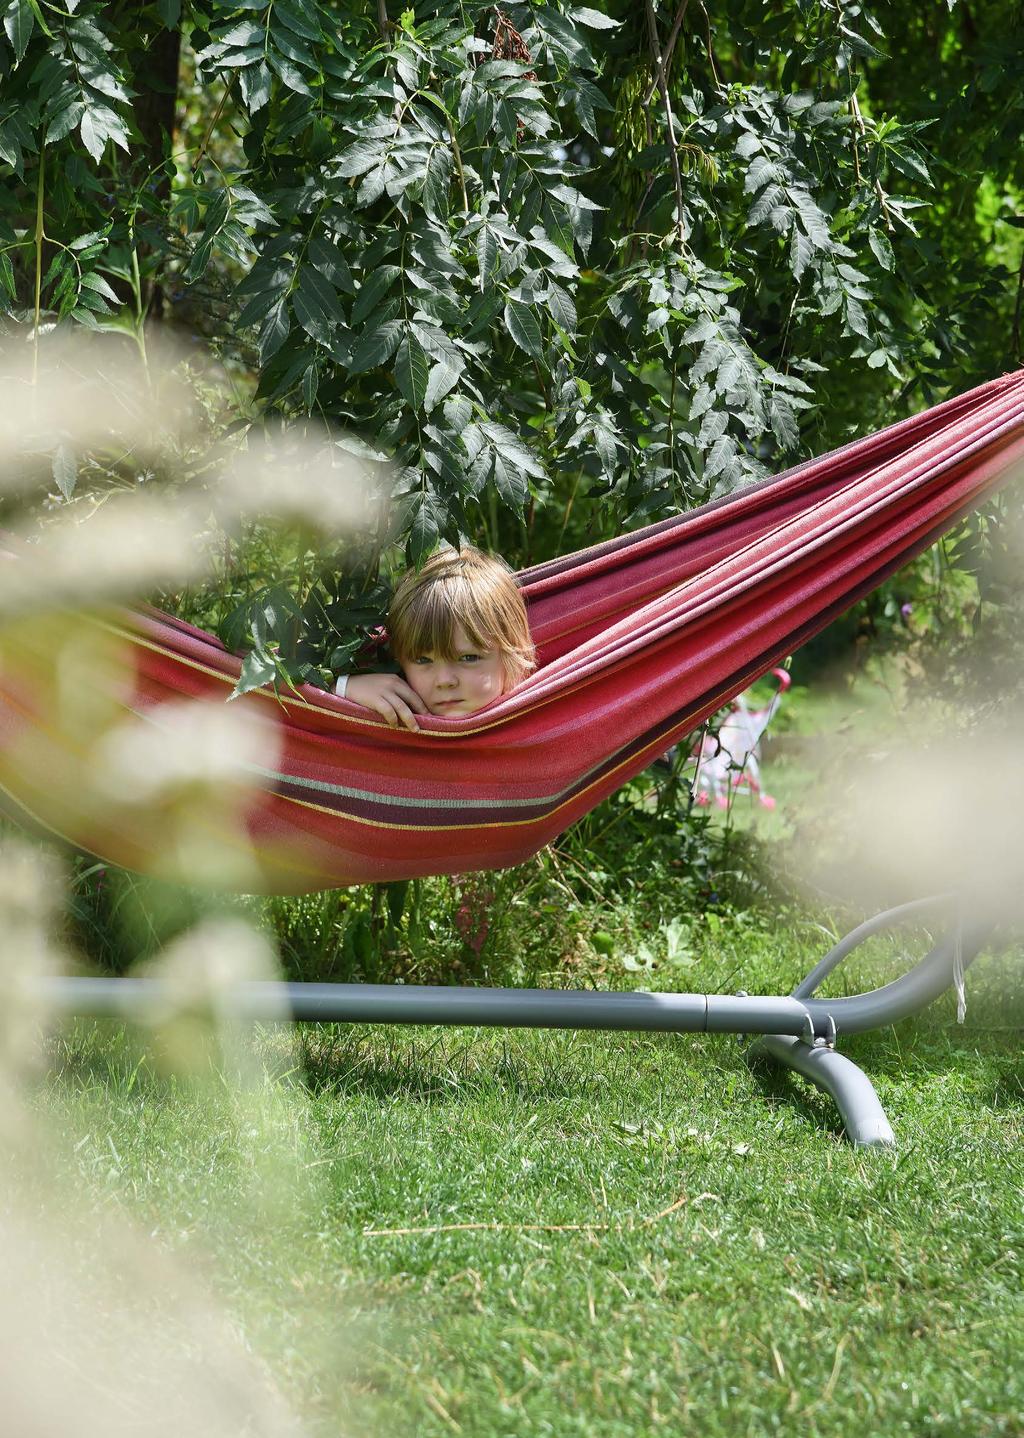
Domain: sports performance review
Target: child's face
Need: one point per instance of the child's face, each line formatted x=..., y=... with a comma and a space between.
x=461, y=685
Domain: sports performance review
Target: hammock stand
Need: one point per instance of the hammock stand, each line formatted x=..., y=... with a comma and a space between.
x=798, y=1032
x=641, y=638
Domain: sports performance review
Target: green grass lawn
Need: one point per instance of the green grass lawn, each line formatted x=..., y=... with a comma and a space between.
x=435, y=1232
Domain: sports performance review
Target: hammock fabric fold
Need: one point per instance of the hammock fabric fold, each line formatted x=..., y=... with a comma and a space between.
x=639, y=639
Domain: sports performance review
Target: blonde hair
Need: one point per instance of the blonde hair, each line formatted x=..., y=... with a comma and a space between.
x=467, y=589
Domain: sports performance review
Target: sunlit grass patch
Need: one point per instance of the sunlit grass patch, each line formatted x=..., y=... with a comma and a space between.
x=593, y=1234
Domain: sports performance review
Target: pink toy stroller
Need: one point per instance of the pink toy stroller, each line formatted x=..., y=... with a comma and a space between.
x=729, y=759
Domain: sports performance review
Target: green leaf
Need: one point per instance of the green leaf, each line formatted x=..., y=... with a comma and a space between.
x=909, y=164
x=486, y=253
x=255, y=84
x=594, y=19
x=371, y=187
x=444, y=376
x=881, y=248
x=801, y=252
x=257, y=670
x=316, y=305
x=100, y=124
x=723, y=454
x=856, y=319
x=572, y=198
x=769, y=199
x=300, y=17
x=274, y=330
x=256, y=309
x=562, y=309
x=310, y=384
x=291, y=45
x=412, y=370
x=522, y=325
x=359, y=158
x=99, y=285
x=458, y=411
x=510, y=483
x=18, y=23
x=783, y=422
x=241, y=35
x=63, y=121
x=372, y=291
x=376, y=347
x=94, y=138
x=586, y=100
x=859, y=45
x=436, y=181
x=424, y=526
x=511, y=448
x=65, y=469
x=328, y=259
x=288, y=74
x=7, y=275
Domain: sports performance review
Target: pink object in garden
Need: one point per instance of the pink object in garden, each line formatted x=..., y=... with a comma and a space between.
x=729, y=761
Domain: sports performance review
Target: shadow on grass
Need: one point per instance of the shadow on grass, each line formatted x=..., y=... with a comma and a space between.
x=783, y=1089
x=449, y=1065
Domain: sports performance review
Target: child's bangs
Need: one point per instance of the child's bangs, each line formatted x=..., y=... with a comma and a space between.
x=429, y=623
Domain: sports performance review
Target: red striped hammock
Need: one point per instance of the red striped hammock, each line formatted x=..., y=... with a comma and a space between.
x=639, y=639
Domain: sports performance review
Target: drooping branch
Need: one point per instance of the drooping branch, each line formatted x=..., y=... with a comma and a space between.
x=666, y=59
x=662, y=83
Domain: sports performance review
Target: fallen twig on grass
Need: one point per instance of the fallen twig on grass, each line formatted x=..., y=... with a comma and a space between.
x=489, y=1226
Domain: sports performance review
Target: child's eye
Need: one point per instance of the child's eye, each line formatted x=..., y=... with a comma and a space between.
x=422, y=659
x=469, y=658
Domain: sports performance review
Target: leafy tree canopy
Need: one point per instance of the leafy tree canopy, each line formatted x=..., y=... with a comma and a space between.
x=574, y=267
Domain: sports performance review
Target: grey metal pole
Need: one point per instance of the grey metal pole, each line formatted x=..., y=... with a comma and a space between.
x=540, y=1008
x=850, y=1088
x=425, y=1004
x=792, y=1028
x=888, y=919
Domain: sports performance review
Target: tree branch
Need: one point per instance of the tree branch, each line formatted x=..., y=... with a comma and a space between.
x=677, y=177
x=666, y=58
x=213, y=123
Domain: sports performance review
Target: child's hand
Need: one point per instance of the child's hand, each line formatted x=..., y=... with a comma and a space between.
x=387, y=695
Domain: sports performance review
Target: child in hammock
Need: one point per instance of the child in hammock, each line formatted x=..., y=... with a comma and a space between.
x=458, y=629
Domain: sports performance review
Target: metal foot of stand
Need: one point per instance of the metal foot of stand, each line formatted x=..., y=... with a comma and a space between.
x=848, y=1086
x=816, y=1058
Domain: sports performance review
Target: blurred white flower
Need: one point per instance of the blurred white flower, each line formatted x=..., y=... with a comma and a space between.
x=183, y=746
x=30, y=896
x=327, y=483
x=124, y=548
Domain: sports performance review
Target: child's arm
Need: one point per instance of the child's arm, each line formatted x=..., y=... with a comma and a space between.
x=386, y=694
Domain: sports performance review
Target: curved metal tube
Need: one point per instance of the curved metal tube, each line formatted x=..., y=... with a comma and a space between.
x=888, y=919
x=907, y=994
x=850, y=1089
